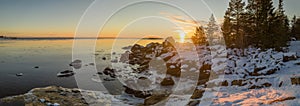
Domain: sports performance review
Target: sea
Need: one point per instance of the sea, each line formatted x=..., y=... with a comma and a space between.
x=39, y=60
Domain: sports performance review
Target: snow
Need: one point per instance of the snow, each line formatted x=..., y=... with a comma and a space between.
x=253, y=97
x=237, y=65
x=295, y=47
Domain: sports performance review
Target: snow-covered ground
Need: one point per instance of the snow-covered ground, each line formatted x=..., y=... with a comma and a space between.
x=249, y=77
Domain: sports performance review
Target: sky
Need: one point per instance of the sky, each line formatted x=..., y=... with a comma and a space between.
x=60, y=18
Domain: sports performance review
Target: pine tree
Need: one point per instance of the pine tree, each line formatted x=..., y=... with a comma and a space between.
x=211, y=28
x=226, y=29
x=293, y=22
x=264, y=17
x=199, y=37
x=234, y=35
x=249, y=23
x=280, y=27
x=297, y=28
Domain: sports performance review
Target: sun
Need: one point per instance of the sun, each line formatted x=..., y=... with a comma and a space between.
x=182, y=35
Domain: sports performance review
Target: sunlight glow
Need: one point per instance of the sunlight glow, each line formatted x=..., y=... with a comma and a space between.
x=182, y=36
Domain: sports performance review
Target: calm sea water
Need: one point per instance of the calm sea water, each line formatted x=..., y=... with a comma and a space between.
x=51, y=56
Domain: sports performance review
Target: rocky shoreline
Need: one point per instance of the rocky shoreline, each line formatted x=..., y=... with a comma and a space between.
x=49, y=96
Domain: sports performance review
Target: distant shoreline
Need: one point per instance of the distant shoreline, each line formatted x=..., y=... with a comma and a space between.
x=67, y=38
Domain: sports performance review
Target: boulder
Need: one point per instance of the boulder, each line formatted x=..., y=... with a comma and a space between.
x=76, y=64
x=154, y=99
x=66, y=73
x=110, y=72
x=19, y=74
x=136, y=93
x=198, y=93
x=289, y=56
x=167, y=81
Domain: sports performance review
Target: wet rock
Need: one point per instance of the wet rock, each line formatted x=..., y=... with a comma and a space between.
x=167, y=81
x=100, y=73
x=125, y=57
x=66, y=73
x=76, y=64
x=127, y=47
x=19, y=74
x=110, y=72
x=48, y=96
x=108, y=79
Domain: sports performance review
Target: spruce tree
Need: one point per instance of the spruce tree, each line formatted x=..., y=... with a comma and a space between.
x=211, y=28
x=234, y=35
x=199, y=37
x=264, y=17
x=280, y=27
x=297, y=28
x=293, y=22
x=249, y=23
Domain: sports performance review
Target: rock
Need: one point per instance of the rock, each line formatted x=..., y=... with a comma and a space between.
x=76, y=64
x=295, y=80
x=114, y=61
x=127, y=47
x=48, y=96
x=267, y=84
x=42, y=100
x=297, y=63
x=136, y=93
x=256, y=70
x=224, y=83
x=103, y=58
x=108, y=79
x=205, y=67
x=49, y=104
x=136, y=48
x=152, y=100
x=289, y=56
x=66, y=73
x=237, y=82
x=19, y=74
x=193, y=103
x=92, y=64
x=167, y=81
x=125, y=57
x=100, y=73
x=198, y=93
x=36, y=67
x=56, y=104
x=110, y=72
